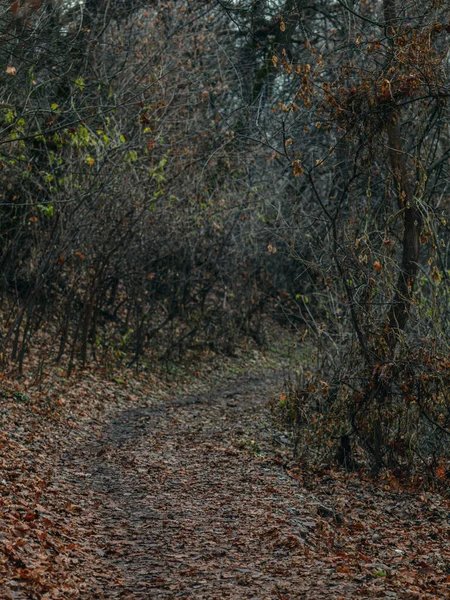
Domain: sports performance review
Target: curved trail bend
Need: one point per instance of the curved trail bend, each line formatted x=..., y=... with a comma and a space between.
x=190, y=499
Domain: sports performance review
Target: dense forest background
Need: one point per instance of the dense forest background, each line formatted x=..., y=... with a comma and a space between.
x=179, y=175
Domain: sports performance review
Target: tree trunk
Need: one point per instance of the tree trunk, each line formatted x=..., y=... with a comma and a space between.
x=399, y=310
x=398, y=313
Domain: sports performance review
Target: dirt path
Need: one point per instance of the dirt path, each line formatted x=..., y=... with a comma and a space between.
x=189, y=499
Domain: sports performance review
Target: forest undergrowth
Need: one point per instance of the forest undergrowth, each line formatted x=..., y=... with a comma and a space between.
x=85, y=512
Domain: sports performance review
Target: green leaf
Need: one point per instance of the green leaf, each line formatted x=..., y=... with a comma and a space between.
x=380, y=573
x=79, y=82
x=48, y=210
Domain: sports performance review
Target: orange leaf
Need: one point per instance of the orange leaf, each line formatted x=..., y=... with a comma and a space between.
x=298, y=169
x=435, y=274
x=440, y=472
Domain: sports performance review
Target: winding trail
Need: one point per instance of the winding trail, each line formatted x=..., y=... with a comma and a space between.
x=191, y=499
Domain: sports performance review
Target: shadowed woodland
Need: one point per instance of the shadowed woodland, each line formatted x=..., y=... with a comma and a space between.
x=188, y=179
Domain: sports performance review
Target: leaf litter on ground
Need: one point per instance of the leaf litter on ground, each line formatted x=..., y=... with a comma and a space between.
x=117, y=485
